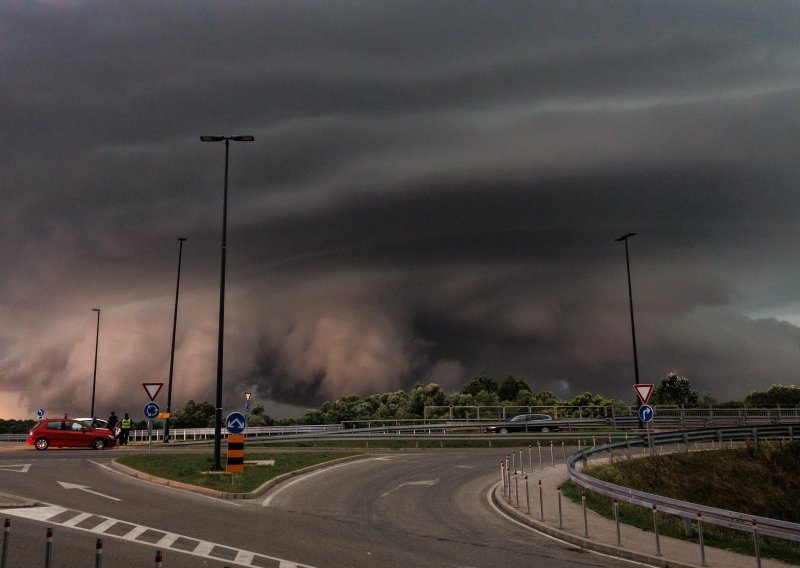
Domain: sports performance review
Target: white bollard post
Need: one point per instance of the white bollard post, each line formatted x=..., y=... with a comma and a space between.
x=585, y=518
x=48, y=549
x=98, y=553
x=527, y=495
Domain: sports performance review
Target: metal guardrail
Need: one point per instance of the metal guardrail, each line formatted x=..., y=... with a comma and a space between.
x=208, y=433
x=691, y=511
x=13, y=437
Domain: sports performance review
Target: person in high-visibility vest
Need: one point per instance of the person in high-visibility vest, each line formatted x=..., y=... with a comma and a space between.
x=124, y=430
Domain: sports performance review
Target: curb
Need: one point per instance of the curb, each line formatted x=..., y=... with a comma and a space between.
x=260, y=490
x=580, y=541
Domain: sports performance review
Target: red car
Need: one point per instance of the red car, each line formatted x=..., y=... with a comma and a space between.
x=68, y=433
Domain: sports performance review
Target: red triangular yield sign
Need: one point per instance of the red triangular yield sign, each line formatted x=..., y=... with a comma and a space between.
x=152, y=389
x=643, y=392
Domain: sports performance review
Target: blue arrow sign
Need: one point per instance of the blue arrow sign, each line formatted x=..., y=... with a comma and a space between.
x=151, y=410
x=40, y=413
x=235, y=423
x=646, y=413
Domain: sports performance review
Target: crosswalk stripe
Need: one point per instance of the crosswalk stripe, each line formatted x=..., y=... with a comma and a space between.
x=105, y=525
x=203, y=549
x=134, y=533
x=245, y=557
x=167, y=540
x=76, y=520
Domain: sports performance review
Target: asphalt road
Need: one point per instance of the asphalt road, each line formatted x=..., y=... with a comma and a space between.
x=414, y=509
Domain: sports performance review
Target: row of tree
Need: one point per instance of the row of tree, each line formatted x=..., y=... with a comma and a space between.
x=483, y=391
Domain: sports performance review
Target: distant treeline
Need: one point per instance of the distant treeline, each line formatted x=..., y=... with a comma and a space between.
x=15, y=426
x=673, y=389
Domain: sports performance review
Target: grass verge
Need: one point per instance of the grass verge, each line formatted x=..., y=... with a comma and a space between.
x=193, y=468
x=761, y=480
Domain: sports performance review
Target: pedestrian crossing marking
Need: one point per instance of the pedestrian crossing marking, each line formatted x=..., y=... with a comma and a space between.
x=70, y=518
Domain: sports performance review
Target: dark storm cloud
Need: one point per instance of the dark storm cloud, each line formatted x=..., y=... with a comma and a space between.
x=433, y=193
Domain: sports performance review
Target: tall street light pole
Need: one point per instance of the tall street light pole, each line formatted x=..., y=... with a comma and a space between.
x=172, y=352
x=624, y=238
x=96, y=345
x=220, y=342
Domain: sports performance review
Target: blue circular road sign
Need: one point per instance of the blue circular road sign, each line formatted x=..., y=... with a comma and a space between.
x=151, y=410
x=40, y=413
x=235, y=423
x=646, y=413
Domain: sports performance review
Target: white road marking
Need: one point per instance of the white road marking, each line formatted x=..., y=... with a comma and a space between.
x=425, y=482
x=134, y=533
x=105, y=525
x=244, y=557
x=77, y=519
x=203, y=549
x=167, y=540
x=19, y=468
x=86, y=489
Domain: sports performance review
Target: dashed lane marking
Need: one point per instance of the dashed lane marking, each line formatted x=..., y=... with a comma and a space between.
x=141, y=534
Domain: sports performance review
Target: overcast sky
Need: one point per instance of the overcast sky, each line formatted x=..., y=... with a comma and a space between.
x=433, y=194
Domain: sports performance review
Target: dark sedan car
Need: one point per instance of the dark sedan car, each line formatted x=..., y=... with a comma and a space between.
x=525, y=423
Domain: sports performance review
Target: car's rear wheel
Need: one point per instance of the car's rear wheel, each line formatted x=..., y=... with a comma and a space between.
x=42, y=444
x=545, y=429
x=504, y=430
x=99, y=444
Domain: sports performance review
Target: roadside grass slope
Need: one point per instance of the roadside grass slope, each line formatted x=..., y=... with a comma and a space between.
x=762, y=480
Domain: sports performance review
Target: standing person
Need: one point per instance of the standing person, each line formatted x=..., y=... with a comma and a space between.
x=112, y=423
x=125, y=430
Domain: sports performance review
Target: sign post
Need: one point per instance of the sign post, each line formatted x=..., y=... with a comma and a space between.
x=236, y=424
x=646, y=412
x=643, y=391
x=152, y=390
x=151, y=410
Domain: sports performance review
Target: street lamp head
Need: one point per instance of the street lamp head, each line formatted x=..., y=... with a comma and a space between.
x=181, y=239
x=624, y=237
x=96, y=310
x=221, y=138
